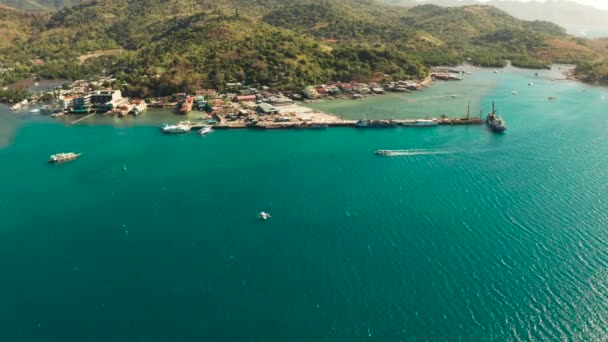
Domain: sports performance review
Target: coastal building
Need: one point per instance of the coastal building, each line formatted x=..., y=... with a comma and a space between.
x=280, y=100
x=233, y=86
x=201, y=104
x=81, y=104
x=346, y=87
x=243, y=98
x=105, y=100
x=333, y=90
x=321, y=90
x=65, y=102
x=208, y=93
x=266, y=108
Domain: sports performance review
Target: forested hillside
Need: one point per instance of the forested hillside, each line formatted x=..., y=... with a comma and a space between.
x=39, y=5
x=162, y=46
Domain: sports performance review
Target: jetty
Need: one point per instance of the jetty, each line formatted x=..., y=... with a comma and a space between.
x=267, y=125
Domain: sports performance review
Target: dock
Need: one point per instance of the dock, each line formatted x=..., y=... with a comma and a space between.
x=342, y=123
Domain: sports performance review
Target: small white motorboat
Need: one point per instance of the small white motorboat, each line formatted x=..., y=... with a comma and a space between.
x=263, y=215
x=205, y=130
x=35, y=110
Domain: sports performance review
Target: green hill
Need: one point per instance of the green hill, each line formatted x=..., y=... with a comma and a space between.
x=181, y=44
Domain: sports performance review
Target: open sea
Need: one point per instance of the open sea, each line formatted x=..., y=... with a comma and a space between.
x=465, y=236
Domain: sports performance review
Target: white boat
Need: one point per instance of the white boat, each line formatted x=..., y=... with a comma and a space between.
x=205, y=130
x=514, y=92
x=19, y=105
x=63, y=157
x=35, y=110
x=361, y=123
x=263, y=215
x=179, y=128
x=421, y=123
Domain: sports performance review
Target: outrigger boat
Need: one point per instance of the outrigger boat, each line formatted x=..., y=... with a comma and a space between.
x=263, y=215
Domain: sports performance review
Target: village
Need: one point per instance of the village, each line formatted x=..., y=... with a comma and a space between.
x=237, y=107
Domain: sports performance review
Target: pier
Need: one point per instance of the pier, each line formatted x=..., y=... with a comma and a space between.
x=341, y=123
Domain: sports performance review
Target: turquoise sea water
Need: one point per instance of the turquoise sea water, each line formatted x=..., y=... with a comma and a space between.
x=470, y=236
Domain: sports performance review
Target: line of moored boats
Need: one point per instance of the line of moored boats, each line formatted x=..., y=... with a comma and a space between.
x=185, y=127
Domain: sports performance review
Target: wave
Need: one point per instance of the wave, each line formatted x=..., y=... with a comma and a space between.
x=416, y=152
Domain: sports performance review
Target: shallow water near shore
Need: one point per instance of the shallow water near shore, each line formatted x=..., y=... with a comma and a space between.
x=497, y=237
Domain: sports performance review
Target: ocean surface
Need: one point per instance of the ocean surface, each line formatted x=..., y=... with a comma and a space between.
x=466, y=235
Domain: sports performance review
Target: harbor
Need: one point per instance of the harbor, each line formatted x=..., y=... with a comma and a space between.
x=442, y=201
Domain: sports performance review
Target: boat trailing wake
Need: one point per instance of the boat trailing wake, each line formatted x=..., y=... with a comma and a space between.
x=395, y=153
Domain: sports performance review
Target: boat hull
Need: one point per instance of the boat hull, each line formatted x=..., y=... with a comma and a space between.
x=496, y=128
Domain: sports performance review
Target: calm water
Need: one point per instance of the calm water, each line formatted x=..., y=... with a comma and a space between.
x=477, y=237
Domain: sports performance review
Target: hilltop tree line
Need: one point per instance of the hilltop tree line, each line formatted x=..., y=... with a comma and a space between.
x=180, y=45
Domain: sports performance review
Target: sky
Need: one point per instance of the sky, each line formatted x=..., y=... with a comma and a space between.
x=603, y=4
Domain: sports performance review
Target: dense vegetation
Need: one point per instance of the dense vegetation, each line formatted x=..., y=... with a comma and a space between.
x=163, y=46
x=38, y=5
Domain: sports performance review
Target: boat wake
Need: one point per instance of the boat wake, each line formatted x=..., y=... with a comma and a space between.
x=396, y=153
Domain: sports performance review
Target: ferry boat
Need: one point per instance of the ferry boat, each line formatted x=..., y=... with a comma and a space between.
x=205, y=130
x=179, y=128
x=63, y=157
x=421, y=123
x=495, y=122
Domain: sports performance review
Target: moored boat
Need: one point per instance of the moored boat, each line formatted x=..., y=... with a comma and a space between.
x=63, y=157
x=495, y=122
x=46, y=109
x=179, y=128
x=206, y=130
x=375, y=124
x=421, y=123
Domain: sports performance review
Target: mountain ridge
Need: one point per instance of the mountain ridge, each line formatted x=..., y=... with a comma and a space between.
x=572, y=15
x=177, y=45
